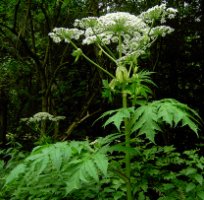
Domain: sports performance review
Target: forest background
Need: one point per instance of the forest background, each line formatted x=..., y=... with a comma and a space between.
x=38, y=75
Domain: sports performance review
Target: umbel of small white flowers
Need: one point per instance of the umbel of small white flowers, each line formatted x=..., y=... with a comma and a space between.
x=42, y=116
x=132, y=34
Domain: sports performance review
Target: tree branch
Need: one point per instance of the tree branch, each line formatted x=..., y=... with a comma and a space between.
x=31, y=27
x=76, y=123
x=58, y=10
x=46, y=16
x=82, y=116
x=15, y=14
x=25, y=44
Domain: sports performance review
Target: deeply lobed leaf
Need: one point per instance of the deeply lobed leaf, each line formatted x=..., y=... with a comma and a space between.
x=72, y=164
x=147, y=118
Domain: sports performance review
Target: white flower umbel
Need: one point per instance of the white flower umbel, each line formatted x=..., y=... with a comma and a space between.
x=65, y=34
x=38, y=122
x=158, y=13
x=161, y=31
x=42, y=116
x=135, y=33
x=108, y=28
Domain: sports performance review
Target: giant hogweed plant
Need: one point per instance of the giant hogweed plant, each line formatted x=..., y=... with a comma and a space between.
x=39, y=124
x=77, y=164
x=132, y=35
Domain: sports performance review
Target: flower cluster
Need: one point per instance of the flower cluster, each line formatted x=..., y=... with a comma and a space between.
x=65, y=34
x=108, y=28
x=158, y=13
x=132, y=34
x=42, y=116
x=161, y=31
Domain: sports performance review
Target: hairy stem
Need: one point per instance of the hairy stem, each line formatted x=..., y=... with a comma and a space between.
x=127, y=154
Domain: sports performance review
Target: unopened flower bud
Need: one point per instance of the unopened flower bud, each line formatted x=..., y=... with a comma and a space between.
x=122, y=74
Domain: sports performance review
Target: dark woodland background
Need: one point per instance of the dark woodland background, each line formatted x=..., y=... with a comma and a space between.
x=39, y=75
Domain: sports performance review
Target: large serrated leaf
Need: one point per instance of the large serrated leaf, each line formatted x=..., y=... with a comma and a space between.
x=119, y=116
x=91, y=169
x=146, y=121
x=101, y=161
x=15, y=173
x=56, y=157
x=147, y=118
x=199, y=178
x=172, y=112
x=47, y=168
x=190, y=187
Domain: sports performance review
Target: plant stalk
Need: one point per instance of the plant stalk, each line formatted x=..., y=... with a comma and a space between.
x=108, y=55
x=127, y=154
x=120, y=45
x=91, y=61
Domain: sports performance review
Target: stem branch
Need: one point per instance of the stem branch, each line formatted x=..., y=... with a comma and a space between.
x=91, y=61
x=107, y=54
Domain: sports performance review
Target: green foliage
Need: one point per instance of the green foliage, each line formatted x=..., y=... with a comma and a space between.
x=118, y=116
x=148, y=117
x=186, y=180
x=8, y=160
x=11, y=70
x=2, y=171
x=132, y=36
x=73, y=170
x=137, y=87
x=163, y=173
x=74, y=165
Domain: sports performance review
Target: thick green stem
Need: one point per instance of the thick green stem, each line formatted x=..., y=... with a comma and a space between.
x=127, y=155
